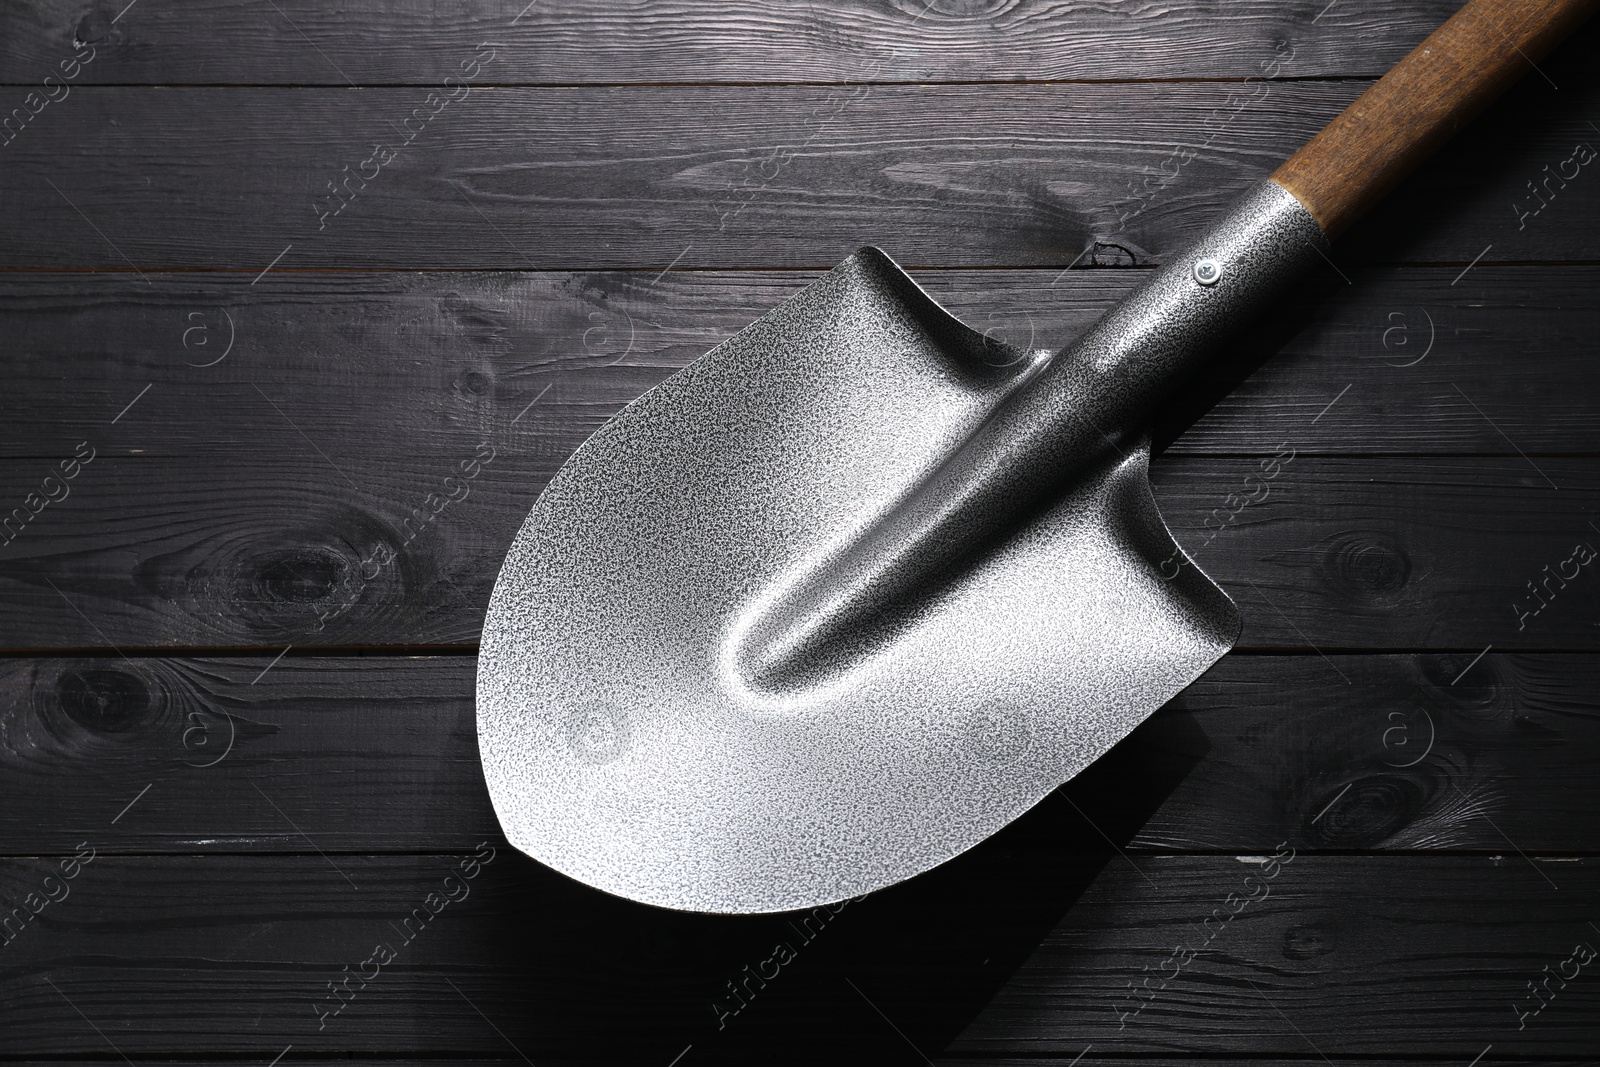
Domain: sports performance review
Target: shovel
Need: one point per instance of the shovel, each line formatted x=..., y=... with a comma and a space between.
x=859, y=587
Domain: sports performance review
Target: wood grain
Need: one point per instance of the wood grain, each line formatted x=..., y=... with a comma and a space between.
x=1439, y=87
x=1340, y=553
x=172, y=42
x=424, y=365
x=379, y=754
x=1034, y=951
x=651, y=177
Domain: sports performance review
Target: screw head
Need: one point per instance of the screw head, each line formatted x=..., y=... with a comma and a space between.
x=1207, y=271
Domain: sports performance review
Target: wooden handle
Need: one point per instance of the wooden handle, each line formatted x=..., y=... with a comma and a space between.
x=1421, y=103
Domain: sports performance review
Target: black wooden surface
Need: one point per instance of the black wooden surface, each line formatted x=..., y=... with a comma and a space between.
x=271, y=758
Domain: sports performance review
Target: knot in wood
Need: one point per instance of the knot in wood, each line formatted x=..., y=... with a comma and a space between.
x=1372, y=810
x=105, y=699
x=1367, y=566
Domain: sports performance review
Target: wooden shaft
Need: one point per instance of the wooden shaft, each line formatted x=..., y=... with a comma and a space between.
x=1421, y=103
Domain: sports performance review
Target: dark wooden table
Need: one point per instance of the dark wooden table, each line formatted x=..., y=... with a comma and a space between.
x=279, y=266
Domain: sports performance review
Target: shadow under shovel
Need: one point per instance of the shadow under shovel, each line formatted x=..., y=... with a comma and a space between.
x=893, y=978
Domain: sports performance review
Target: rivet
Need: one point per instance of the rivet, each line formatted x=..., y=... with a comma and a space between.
x=1207, y=271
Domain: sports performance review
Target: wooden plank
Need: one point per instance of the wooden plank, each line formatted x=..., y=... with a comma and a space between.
x=1449, y=751
x=427, y=364
x=1363, y=553
x=1009, y=950
x=1321, y=945
x=796, y=176
x=380, y=755
x=1412, y=565
x=361, y=754
x=213, y=41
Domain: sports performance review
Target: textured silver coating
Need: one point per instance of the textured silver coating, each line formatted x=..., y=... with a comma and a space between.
x=854, y=590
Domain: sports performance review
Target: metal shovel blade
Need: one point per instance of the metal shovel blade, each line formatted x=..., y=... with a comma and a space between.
x=626, y=744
